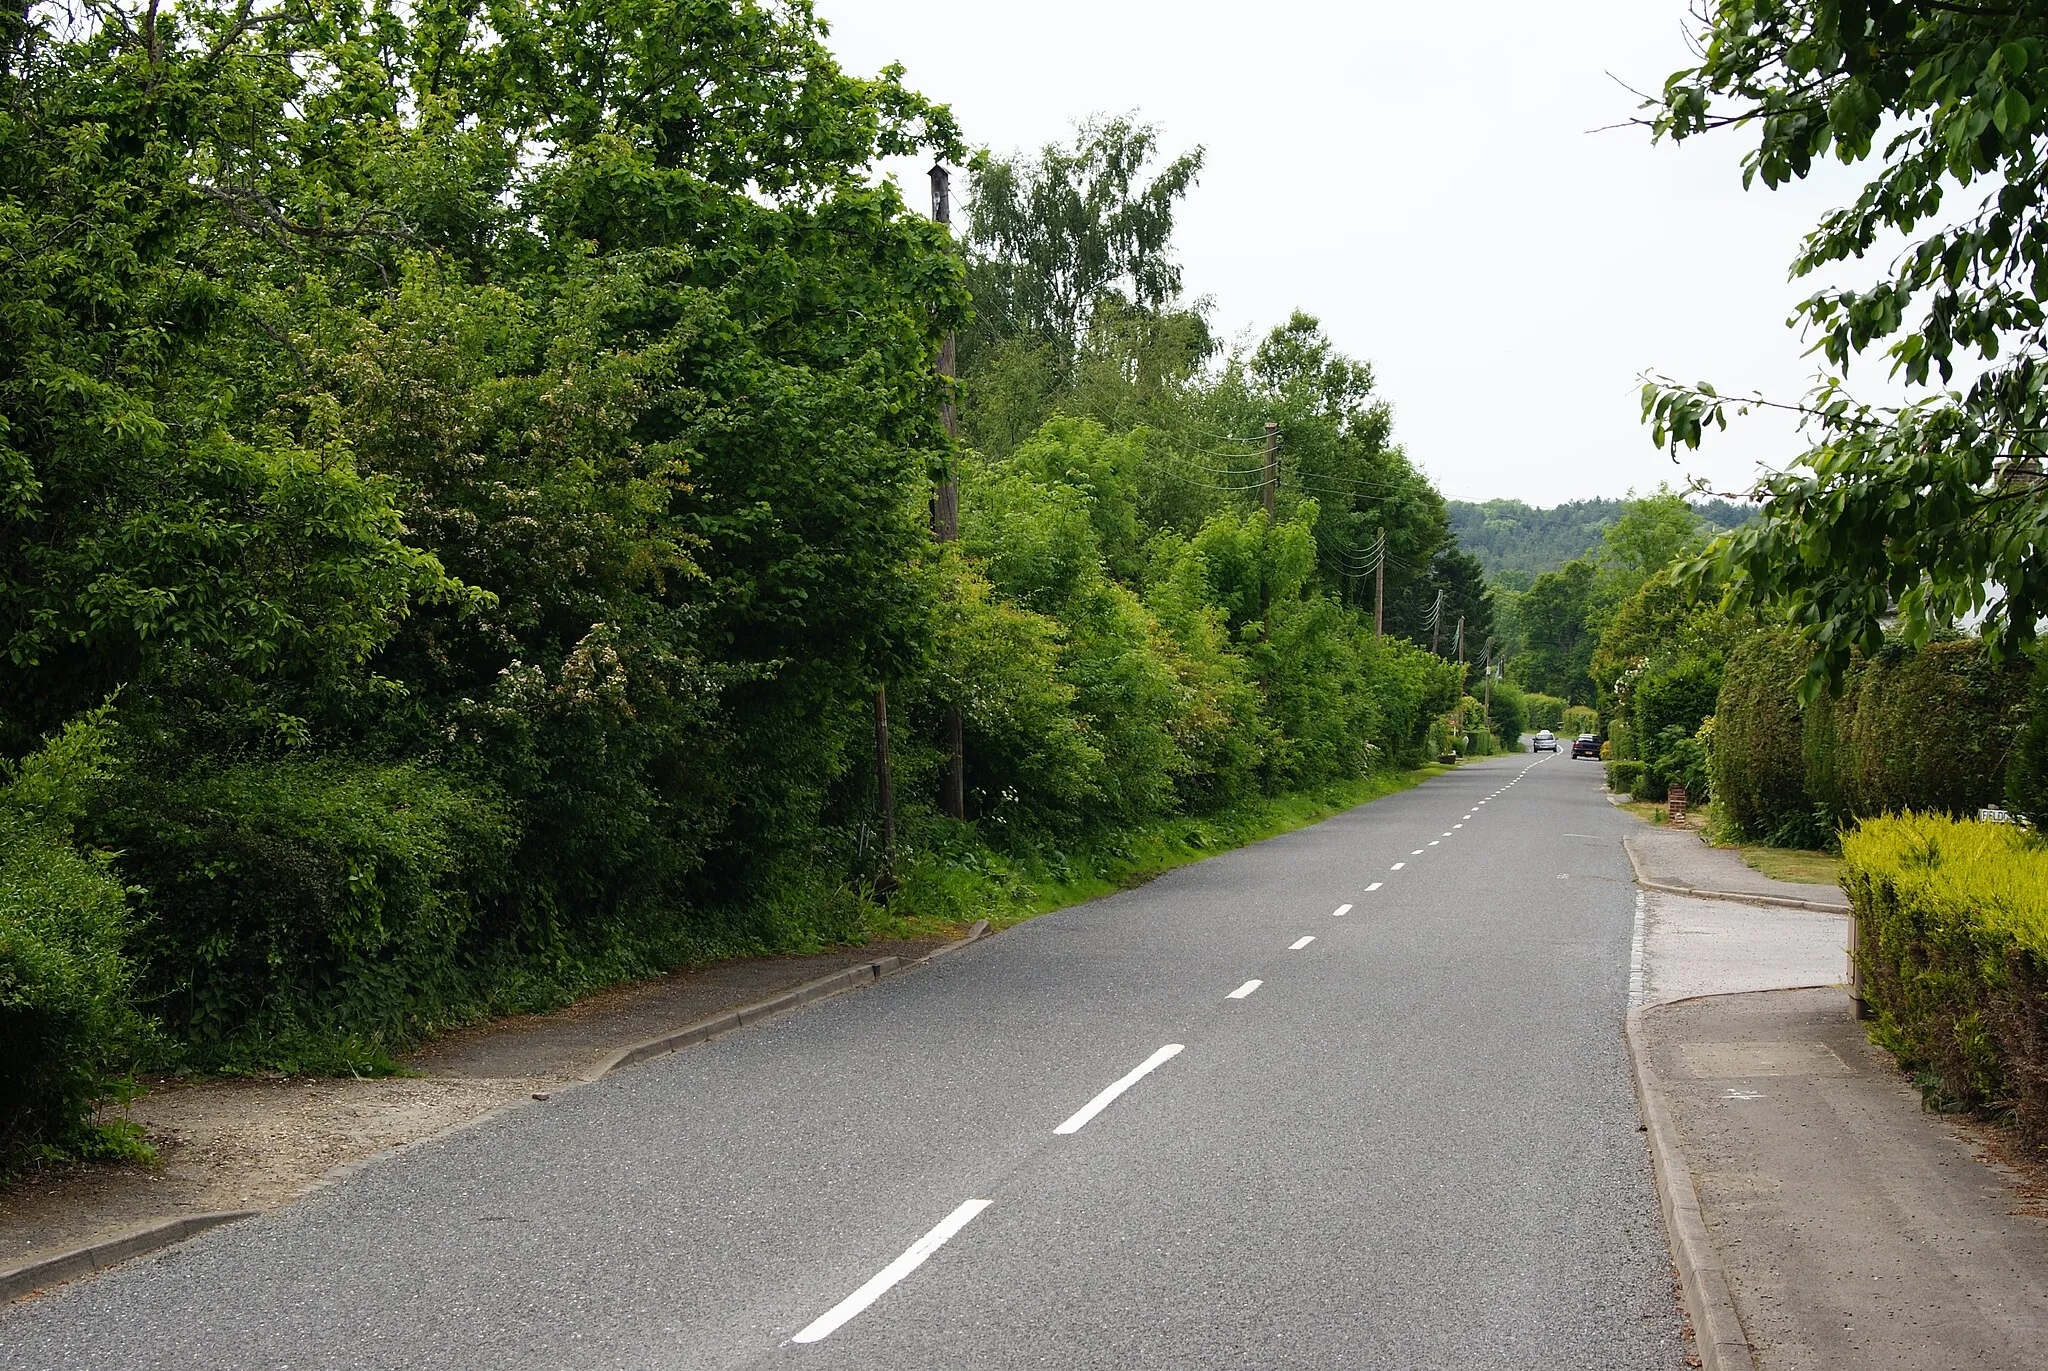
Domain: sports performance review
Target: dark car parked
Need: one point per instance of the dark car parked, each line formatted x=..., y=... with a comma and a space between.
x=1586, y=745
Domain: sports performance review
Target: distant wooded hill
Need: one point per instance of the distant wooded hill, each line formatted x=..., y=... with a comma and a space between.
x=1516, y=542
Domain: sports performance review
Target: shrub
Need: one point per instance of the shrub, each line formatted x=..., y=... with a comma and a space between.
x=2026, y=779
x=1546, y=711
x=1579, y=719
x=1932, y=730
x=311, y=914
x=1623, y=776
x=1759, y=773
x=66, y=991
x=1952, y=941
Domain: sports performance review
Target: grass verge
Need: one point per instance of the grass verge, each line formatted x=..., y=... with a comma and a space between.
x=1802, y=866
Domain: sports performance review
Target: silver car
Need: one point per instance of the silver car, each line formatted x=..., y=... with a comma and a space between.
x=1546, y=741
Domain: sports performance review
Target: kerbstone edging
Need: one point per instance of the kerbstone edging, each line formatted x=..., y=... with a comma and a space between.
x=1717, y=1329
x=809, y=992
x=1734, y=896
x=16, y=1281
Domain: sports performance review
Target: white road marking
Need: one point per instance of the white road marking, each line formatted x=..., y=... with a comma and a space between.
x=1340, y=911
x=1454, y=826
x=1416, y=853
x=1374, y=886
x=1397, y=866
x=828, y=1322
x=1300, y=943
x=1635, y=957
x=1080, y=1117
x=1434, y=841
x=1247, y=988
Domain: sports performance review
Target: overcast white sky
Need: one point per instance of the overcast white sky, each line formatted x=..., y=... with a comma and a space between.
x=1422, y=178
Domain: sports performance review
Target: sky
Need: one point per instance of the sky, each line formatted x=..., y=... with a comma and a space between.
x=1427, y=181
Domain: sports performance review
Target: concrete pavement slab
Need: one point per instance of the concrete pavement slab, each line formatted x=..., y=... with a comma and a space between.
x=1855, y=1230
x=1678, y=858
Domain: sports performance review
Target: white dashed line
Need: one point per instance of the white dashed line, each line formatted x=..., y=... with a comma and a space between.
x=1101, y=1102
x=1300, y=943
x=826, y=1323
x=1416, y=853
x=1247, y=988
x=1374, y=886
x=1340, y=911
x=1397, y=866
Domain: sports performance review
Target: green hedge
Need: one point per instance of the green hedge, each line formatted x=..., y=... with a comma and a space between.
x=66, y=992
x=1952, y=941
x=312, y=915
x=1931, y=730
x=1624, y=776
x=1759, y=773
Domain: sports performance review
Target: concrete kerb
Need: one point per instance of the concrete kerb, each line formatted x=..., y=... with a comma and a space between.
x=32, y=1275
x=57, y=1267
x=1717, y=1329
x=1733, y=896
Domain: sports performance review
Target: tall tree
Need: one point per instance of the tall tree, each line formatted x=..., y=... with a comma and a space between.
x=1935, y=508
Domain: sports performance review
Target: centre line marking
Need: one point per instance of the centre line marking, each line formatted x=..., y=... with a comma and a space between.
x=1080, y=1117
x=828, y=1322
x=1434, y=841
x=1455, y=826
x=1247, y=988
x=1397, y=866
x=1416, y=853
x=1374, y=886
x=1340, y=911
x=1300, y=943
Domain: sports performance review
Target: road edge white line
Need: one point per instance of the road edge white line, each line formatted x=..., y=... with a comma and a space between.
x=878, y=1284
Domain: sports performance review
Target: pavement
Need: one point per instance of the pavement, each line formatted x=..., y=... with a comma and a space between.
x=1677, y=858
x=1846, y=1226
x=1354, y=1096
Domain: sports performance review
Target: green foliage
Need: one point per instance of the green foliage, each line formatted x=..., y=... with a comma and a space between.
x=1624, y=776
x=1515, y=542
x=1934, y=508
x=1930, y=730
x=67, y=988
x=1651, y=533
x=1578, y=719
x=1544, y=711
x=1759, y=773
x=2026, y=783
x=302, y=903
x=1557, y=648
x=1952, y=940
x=1509, y=715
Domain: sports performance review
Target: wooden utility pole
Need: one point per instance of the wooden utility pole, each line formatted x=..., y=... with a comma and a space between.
x=1379, y=588
x=1270, y=491
x=1458, y=646
x=1436, y=624
x=885, y=789
x=946, y=517
x=1272, y=469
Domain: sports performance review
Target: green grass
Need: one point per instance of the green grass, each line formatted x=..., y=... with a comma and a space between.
x=1804, y=866
x=947, y=887
x=1795, y=864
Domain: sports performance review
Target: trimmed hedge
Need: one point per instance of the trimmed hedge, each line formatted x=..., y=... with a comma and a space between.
x=1624, y=777
x=1952, y=941
x=1759, y=773
x=66, y=991
x=1932, y=730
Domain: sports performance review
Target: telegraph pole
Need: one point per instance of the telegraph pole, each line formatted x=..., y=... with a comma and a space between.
x=885, y=787
x=1270, y=491
x=1436, y=624
x=946, y=516
x=1379, y=588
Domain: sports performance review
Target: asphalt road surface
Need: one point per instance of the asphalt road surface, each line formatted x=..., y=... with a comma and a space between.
x=1375, y=1113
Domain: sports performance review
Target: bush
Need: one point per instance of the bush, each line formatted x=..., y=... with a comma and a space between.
x=312, y=914
x=1932, y=730
x=1509, y=715
x=1759, y=772
x=1545, y=711
x=2026, y=779
x=66, y=991
x=1579, y=719
x=1952, y=941
x=1624, y=776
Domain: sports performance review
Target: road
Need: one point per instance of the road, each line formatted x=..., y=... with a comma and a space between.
x=1398, y=1136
